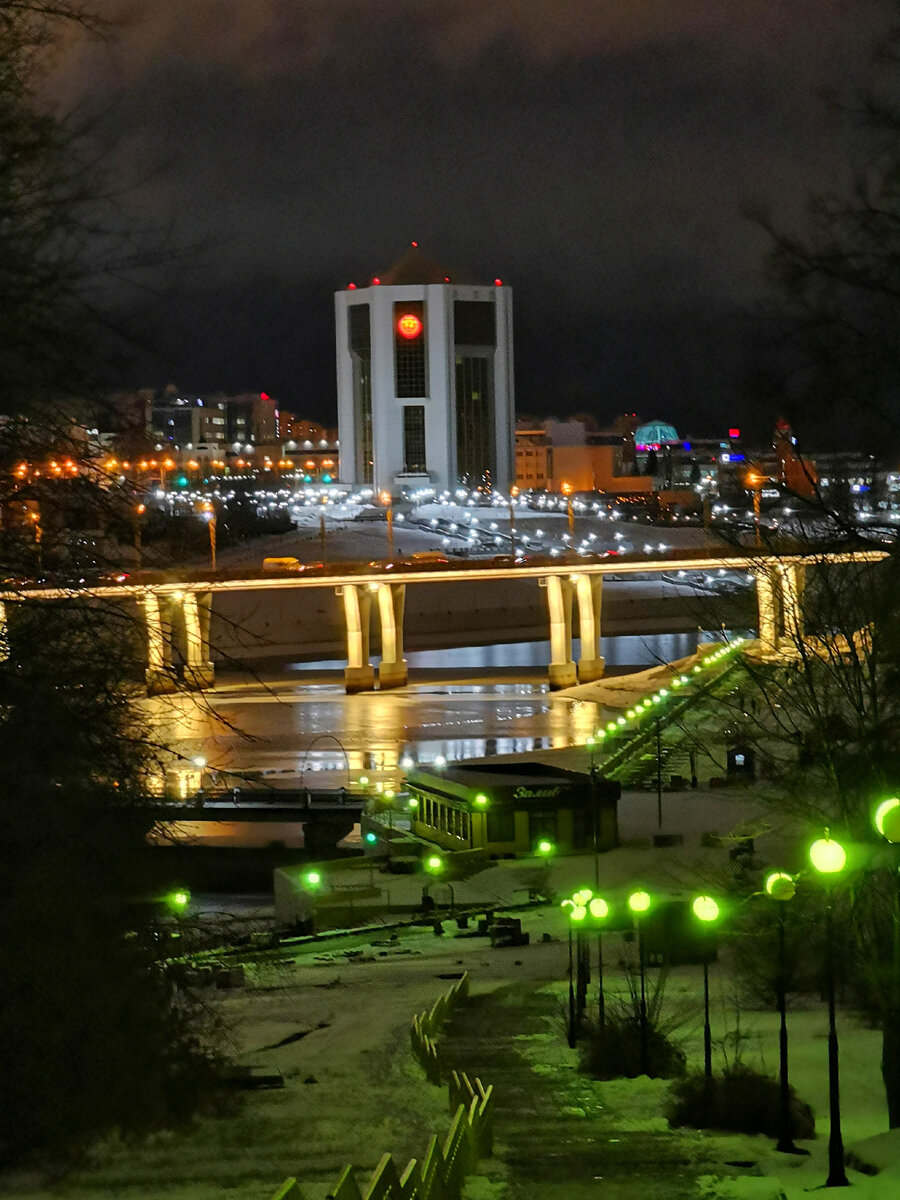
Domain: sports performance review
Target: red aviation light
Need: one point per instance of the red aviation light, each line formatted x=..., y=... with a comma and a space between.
x=351, y=287
x=376, y=281
x=409, y=326
x=498, y=283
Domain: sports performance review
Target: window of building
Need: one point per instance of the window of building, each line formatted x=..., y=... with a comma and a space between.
x=360, y=337
x=414, y=438
x=410, y=372
x=474, y=419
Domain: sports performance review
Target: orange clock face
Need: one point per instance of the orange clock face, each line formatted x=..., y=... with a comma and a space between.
x=409, y=326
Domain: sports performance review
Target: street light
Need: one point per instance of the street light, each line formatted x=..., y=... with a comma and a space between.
x=208, y=511
x=567, y=492
x=707, y=911
x=544, y=848
x=829, y=858
x=435, y=865
x=178, y=900
x=887, y=822
x=513, y=492
x=387, y=501
x=598, y=909
x=781, y=887
x=639, y=904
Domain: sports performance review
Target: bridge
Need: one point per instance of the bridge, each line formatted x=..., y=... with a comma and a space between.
x=176, y=607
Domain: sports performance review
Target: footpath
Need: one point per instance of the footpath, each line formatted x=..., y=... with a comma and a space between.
x=554, y=1134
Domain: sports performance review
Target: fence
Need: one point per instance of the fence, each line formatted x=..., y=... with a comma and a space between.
x=442, y=1172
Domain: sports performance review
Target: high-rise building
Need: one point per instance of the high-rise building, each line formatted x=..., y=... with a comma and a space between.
x=425, y=380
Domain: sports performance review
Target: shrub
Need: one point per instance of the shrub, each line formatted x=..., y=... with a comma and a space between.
x=741, y=1100
x=614, y=1050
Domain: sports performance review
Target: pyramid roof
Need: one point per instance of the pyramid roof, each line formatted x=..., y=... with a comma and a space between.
x=416, y=267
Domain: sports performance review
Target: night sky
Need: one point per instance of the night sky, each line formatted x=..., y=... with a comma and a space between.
x=596, y=155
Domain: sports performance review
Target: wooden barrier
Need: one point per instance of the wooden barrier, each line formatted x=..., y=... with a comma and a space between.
x=441, y=1174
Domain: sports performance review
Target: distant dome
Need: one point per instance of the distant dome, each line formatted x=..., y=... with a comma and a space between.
x=654, y=433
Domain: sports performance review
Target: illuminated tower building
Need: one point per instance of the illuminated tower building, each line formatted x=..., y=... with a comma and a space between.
x=794, y=471
x=425, y=380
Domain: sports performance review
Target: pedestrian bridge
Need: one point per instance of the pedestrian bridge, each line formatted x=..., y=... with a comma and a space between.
x=176, y=606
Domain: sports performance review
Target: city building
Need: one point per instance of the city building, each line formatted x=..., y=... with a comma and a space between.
x=425, y=380
x=506, y=808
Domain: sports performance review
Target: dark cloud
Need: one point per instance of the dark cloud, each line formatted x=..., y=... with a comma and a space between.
x=596, y=155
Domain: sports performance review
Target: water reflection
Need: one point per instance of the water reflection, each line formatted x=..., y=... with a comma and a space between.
x=292, y=734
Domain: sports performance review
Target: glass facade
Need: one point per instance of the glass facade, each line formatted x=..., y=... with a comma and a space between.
x=474, y=420
x=410, y=363
x=475, y=336
x=360, y=337
x=414, y=438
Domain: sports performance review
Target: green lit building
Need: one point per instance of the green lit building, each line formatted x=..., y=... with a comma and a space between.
x=508, y=808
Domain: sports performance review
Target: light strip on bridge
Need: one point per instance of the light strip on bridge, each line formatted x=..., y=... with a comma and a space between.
x=372, y=579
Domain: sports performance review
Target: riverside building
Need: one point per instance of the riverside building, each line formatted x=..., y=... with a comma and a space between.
x=425, y=380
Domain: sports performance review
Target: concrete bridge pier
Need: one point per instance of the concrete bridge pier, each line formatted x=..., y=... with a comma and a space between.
x=359, y=674
x=560, y=589
x=768, y=597
x=392, y=670
x=589, y=591
x=160, y=673
x=793, y=582
x=199, y=672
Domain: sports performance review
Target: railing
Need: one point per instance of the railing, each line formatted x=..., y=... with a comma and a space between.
x=441, y=1174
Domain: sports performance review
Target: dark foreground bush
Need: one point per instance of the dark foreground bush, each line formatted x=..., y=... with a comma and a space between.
x=741, y=1101
x=615, y=1050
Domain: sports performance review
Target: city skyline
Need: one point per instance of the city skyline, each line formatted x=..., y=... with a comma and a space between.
x=599, y=162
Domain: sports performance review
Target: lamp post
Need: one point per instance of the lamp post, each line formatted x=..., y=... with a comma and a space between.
x=781, y=887
x=576, y=913
x=887, y=822
x=599, y=911
x=707, y=911
x=136, y=521
x=829, y=858
x=436, y=865
x=386, y=500
x=513, y=492
x=570, y=511
x=639, y=904
x=208, y=510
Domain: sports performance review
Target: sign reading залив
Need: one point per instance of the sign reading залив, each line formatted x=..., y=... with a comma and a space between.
x=526, y=793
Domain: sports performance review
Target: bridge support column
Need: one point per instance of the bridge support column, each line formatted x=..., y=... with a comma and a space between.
x=392, y=670
x=159, y=674
x=199, y=672
x=589, y=590
x=359, y=674
x=559, y=603
x=767, y=604
x=793, y=581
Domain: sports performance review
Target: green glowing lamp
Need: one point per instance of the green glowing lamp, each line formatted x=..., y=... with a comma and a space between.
x=363, y=781
x=706, y=909
x=577, y=912
x=697, y=669
x=313, y=879
x=780, y=886
x=589, y=740
x=827, y=856
x=612, y=726
x=412, y=802
x=639, y=902
x=481, y=799
x=545, y=847
x=434, y=863
x=179, y=899
x=582, y=896
x=887, y=819
x=371, y=838
x=601, y=734
x=598, y=908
